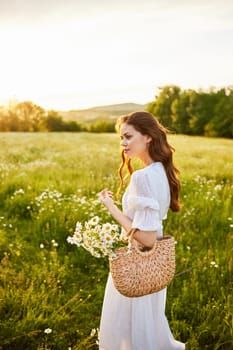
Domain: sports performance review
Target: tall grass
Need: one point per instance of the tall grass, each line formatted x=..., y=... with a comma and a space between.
x=51, y=292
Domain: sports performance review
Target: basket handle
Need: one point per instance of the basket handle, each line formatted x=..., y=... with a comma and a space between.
x=130, y=235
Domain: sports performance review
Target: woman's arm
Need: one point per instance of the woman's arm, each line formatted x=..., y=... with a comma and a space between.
x=146, y=238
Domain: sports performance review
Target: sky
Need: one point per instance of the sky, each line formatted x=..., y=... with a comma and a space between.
x=75, y=54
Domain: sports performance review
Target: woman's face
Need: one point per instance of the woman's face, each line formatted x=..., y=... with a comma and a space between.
x=133, y=142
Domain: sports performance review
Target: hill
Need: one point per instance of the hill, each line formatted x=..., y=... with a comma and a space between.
x=101, y=112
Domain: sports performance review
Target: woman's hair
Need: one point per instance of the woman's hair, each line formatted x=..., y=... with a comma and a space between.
x=159, y=150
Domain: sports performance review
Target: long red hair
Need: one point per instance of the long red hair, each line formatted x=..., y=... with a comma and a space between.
x=159, y=150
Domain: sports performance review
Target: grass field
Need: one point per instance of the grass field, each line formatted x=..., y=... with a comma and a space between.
x=51, y=292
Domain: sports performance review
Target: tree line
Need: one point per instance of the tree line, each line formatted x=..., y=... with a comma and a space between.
x=29, y=117
x=208, y=113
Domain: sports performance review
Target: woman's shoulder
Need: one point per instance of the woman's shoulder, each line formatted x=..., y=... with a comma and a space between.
x=152, y=176
x=151, y=170
x=138, y=176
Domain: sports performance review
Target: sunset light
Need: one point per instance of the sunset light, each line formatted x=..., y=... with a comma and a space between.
x=80, y=54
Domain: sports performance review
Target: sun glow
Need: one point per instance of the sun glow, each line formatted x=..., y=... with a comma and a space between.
x=82, y=59
x=40, y=65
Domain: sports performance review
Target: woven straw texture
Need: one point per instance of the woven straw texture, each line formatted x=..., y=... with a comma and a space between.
x=136, y=273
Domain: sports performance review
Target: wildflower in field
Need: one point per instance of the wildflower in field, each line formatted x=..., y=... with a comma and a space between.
x=41, y=245
x=20, y=191
x=48, y=331
x=93, y=332
x=54, y=243
x=213, y=264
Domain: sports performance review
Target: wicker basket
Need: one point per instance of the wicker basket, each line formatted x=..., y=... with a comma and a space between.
x=136, y=273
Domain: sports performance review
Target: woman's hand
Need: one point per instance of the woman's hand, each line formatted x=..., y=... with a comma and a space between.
x=106, y=197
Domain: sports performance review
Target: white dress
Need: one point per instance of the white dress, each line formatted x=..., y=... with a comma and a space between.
x=140, y=323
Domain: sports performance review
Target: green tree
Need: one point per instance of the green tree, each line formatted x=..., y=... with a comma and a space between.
x=222, y=122
x=71, y=125
x=162, y=106
x=30, y=116
x=12, y=121
x=181, y=112
x=102, y=125
x=202, y=106
x=3, y=126
x=54, y=122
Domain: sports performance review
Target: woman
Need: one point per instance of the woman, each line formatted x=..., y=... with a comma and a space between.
x=140, y=323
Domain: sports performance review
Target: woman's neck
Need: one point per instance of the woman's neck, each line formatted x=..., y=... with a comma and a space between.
x=147, y=160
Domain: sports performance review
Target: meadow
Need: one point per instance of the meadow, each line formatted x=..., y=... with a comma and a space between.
x=51, y=292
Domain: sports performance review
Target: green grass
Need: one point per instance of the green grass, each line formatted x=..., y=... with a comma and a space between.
x=50, y=181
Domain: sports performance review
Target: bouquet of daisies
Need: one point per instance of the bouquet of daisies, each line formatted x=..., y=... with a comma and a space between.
x=98, y=239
